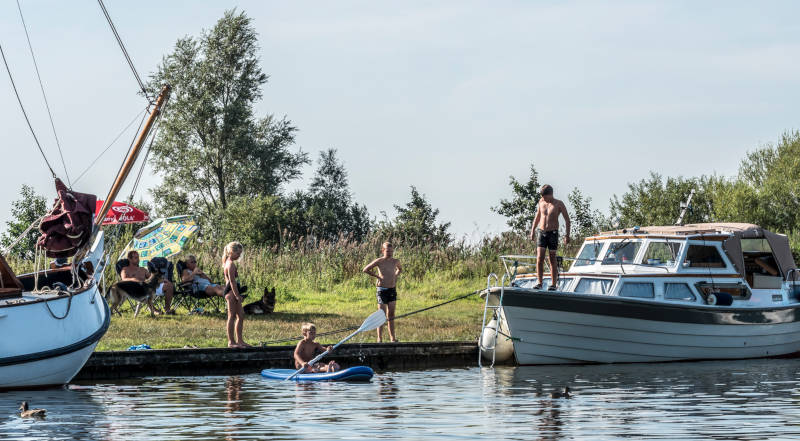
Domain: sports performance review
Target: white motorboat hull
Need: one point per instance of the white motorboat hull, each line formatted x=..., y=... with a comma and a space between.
x=568, y=328
x=46, y=342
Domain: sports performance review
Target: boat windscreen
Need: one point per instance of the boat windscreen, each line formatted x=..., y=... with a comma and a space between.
x=622, y=252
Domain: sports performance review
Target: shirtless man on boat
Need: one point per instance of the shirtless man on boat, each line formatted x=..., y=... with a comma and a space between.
x=388, y=270
x=546, y=220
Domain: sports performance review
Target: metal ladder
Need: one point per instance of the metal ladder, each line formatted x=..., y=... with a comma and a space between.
x=495, y=314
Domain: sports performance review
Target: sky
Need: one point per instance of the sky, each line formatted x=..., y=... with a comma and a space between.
x=452, y=97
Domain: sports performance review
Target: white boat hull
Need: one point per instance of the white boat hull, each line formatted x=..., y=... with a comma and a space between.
x=572, y=328
x=46, y=343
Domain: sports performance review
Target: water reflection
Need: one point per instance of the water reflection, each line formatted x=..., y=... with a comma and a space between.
x=741, y=399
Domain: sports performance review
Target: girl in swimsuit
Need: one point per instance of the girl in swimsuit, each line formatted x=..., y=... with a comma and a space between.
x=232, y=296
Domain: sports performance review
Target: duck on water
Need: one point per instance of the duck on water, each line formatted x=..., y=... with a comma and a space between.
x=661, y=293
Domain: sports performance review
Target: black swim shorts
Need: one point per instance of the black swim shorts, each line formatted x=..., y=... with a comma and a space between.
x=548, y=239
x=386, y=295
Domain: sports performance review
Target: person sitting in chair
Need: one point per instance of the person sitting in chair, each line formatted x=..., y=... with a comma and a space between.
x=133, y=272
x=200, y=281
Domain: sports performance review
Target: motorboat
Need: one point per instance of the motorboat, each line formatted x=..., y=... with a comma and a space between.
x=651, y=294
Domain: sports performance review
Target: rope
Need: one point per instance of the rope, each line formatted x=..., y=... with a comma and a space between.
x=353, y=328
x=24, y=113
x=124, y=51
x=24, y=233
x=113, y=142
x=41, y=86
x=69, y=306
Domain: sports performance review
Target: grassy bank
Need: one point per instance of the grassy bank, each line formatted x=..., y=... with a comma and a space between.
x=323, y=283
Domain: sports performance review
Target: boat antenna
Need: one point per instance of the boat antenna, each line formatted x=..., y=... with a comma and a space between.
x=685, y=206
x=24, y=113
x=124, y=50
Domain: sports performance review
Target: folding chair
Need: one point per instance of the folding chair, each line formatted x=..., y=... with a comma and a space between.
x=165, y=267
x=193, y=297
x=134, y=305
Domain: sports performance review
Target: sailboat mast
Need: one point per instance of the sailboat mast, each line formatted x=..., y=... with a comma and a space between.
x=131, y=159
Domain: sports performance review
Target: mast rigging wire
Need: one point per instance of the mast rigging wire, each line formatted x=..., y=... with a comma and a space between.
x=44, y=95
x=112, y=143
x=24, y=113
x=124, y=51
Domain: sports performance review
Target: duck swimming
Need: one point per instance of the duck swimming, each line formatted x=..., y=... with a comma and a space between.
x=27, y=413
x=558, y=394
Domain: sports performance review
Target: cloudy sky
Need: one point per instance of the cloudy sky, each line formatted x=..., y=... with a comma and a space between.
x=451, y=97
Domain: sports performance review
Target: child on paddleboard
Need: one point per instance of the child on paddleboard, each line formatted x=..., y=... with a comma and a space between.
x=388, y=270
x=307, y=349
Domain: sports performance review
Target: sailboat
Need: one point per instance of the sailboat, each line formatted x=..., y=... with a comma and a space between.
x=52, y=319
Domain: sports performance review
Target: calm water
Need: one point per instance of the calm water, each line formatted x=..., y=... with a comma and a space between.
x=722, y=400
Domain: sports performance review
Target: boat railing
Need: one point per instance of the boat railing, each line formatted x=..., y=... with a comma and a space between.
x=487, y=341
x=512, y=263
x=792, y=275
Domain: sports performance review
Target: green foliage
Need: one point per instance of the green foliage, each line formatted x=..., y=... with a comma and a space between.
x=416, y=224
x=767, y=191
x=585, y=221
x=656, y=201
x=326, y=211
x=521, y=209
x=24, y=212
x=211, y=148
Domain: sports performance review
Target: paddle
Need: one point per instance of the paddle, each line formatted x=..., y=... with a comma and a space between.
x=375, y=320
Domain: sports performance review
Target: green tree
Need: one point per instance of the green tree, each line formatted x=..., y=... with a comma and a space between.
x=656, y=201
x=330, y=211
x=521, y=209
x=416, y=224
x=211, y=148
x=584, y=221
x=767, y=189
x=24, y=211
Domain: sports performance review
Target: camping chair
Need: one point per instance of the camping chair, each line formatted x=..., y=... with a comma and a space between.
x=134, y=305
x=193, y=297
x=165, y=267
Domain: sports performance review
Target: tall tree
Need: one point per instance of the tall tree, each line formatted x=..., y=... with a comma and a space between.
x=24, y=212
x=416, y=224
x=326, y=211
x=585, y=221
x=521, y=209
x=767, y=189
x=211, y=147
x=657, y=201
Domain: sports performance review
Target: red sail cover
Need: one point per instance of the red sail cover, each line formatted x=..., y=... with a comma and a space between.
x=122, y=213
x=68, y=226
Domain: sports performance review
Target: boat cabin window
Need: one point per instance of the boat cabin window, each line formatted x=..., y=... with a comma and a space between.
x=661, y=253
x=637, y=289
x=737, y=290
x=678, y=291
x=703, y=256
x=622, y=252
x=589, y=253
x=594, y=286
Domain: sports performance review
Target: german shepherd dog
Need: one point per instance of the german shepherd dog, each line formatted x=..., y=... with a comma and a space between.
x=142, y=292
x=263, y=306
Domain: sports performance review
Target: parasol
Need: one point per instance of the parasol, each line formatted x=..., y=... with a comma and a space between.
x=122, y=213
x=163, y=237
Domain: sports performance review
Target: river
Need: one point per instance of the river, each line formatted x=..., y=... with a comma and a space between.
x=752, y=399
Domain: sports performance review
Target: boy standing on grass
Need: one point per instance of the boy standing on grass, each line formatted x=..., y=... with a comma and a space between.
x=307, y=349
x=388, y=270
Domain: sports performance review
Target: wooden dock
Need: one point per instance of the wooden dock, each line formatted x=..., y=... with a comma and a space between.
x=224, y=361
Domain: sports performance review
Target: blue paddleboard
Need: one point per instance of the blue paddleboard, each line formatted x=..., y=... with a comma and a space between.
x=355, y=373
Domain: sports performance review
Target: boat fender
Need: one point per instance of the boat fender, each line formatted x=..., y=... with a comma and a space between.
x=719, y=299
